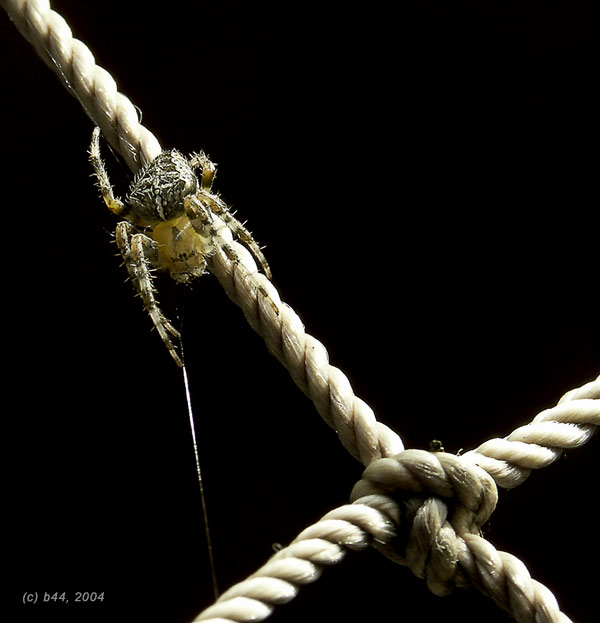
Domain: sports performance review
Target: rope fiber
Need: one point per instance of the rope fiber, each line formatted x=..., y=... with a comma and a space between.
x=93, y=86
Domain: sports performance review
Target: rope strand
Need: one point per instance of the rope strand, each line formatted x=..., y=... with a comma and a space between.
x=568, y=425
x=304, y=357
x=94, y=88
x=443, y=544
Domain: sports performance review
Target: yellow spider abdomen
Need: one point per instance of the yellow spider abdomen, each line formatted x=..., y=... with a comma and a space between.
x=181, y=249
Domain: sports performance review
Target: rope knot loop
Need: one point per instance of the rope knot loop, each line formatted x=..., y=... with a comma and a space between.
x=439, y=497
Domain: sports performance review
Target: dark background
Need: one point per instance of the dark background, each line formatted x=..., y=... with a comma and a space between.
x=425, y=180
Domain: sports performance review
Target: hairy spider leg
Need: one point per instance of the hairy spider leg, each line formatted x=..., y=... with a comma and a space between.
x=138, y=252
x=114, y=204
x=201, y=219
x=207, y=167
x=219, y=207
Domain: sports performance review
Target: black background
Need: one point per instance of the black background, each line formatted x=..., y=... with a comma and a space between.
x=425, y=182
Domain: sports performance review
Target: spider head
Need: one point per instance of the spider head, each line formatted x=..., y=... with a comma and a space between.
x=158, y=190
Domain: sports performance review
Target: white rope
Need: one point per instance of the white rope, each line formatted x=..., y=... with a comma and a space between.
x=353, y=526
x=509, y=461
x=499, y=575
x=93, y=86
x=455, y=497
x=455, y=494
x=568, y=425
x=304, y=357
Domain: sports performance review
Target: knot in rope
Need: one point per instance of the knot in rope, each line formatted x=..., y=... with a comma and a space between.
x=439, y=499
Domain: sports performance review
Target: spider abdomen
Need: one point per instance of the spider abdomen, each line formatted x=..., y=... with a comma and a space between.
x=170, y=221
x=159, y=188
x=182, y=251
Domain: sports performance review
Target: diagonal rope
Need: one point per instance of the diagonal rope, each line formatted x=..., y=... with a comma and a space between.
x=93, y=86
x=305, y=357
x=568, y=425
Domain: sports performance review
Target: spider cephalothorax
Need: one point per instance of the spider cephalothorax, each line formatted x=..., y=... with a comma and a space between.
x=159, y=188
x=169, y=224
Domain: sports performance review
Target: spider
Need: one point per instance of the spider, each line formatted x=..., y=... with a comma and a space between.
x=169, y=225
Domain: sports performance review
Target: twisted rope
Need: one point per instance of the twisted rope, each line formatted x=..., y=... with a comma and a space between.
x=509, y=461
x=305, y=357
x=469, y=557
x=568, y=425
x=420, y=509
x=437, y=504
x=349, y=527
x=93, y=86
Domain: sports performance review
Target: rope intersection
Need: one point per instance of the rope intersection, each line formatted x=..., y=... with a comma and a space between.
x=426, y=510
x=422, y=509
